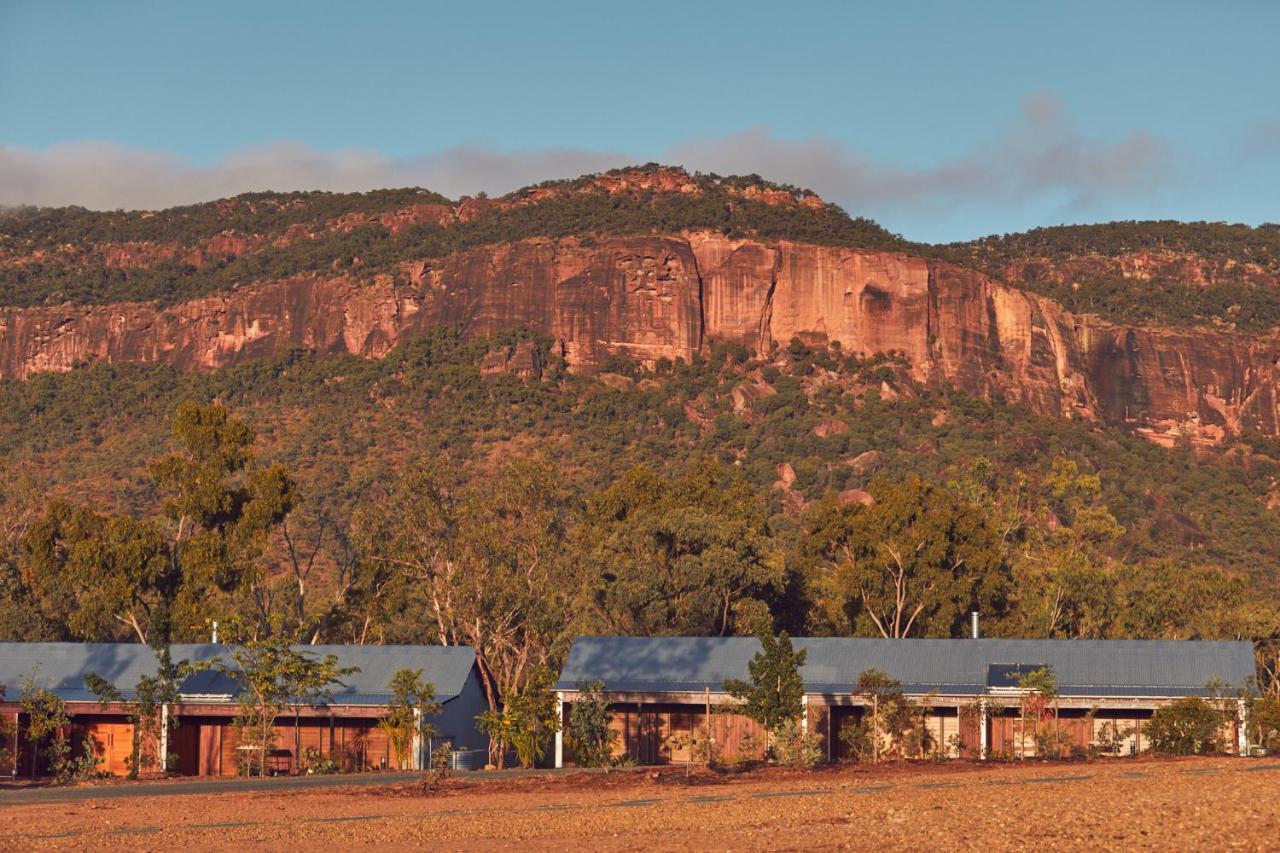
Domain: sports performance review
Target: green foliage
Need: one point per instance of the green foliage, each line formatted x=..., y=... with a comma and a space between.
x=527, y=721
x=1038, y=705
x=47, y=718
x=150, y=693
x=915, y=562
x=1188, y=726
x=555, y=500
x=317, y=764
x=775, y=691
x=485, y=563
x=413, y=700
x=1213, y=240
x=273, y=676
x=1236, y=259
x=885, y=698
x=1264, y=723
x=694, y=555
x=1041, y=682
x=588, y=732
x=795, y=747
x=95, y=571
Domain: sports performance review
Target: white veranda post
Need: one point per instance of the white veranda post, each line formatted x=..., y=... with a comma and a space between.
x=560, y=730
x=1242, y=727
x=164, y=737
x=982, y=729
x=418, y=763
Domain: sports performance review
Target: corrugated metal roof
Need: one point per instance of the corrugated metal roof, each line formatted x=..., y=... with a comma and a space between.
x=62, y=667
x=1100, y=668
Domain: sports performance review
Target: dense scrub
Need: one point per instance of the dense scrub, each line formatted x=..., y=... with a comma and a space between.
x=346, y=426
x=1216, y=241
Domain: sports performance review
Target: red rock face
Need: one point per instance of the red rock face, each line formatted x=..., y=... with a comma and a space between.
x=669, y=297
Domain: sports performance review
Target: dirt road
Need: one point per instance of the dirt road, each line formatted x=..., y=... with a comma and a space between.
x=1219, y=803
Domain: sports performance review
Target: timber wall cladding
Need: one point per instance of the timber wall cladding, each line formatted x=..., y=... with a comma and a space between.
x=353, y=746
x=664, y=733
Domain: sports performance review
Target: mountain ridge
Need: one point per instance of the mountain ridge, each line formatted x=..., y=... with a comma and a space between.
x=655, y=263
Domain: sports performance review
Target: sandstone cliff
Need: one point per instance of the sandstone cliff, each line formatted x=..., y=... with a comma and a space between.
x=653, y=297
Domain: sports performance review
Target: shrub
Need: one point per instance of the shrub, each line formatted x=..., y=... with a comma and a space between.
x=588, y=733
x=795, y=747
x=316, y=764
x=1264, y=723
x=1186, y=727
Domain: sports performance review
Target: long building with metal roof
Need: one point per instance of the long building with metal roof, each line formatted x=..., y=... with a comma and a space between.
x=343, y=730
x=665, y=686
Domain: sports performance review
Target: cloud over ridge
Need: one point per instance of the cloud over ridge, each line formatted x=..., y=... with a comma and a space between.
x=1041, y=155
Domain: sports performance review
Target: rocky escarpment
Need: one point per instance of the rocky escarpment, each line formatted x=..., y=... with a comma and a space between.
x=655, y=297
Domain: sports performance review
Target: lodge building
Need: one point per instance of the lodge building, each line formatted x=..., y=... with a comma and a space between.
x=205, y=741
x=662, y=693
x=662, y=690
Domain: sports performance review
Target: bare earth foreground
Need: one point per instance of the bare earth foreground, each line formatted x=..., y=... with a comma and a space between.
x=1219, y=803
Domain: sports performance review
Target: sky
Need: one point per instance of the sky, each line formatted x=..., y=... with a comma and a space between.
x=943, y=121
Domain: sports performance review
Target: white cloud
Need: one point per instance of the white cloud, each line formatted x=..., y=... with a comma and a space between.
x=1039, y=156
x=106, y=176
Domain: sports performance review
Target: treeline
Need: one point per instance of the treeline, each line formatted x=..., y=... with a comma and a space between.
x=1215, y=241
x=266, y=213
x=1162, y=301
x=829, y=421
x=518, y=561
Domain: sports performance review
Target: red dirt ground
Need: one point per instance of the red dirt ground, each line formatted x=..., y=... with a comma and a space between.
x=1222, y=803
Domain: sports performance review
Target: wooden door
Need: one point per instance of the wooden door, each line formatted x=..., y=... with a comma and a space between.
x=184, y=749
x=210, y=751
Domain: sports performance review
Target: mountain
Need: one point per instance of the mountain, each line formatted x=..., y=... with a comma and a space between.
x=1101, y=398
x=1169, y=330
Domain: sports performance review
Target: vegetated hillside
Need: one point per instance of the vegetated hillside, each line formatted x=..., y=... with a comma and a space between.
x=800, y=427
x=83, y=257
x=1153, y=273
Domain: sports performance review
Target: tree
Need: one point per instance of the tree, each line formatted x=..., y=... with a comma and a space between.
x=527, y=720
x=913, y=563
x=588, y=733
x=1188, y=726
x=151, y=693
x=796, y=747
x=413, y=700
x=221, y=506
x=273, y=676
x=693, y=555
x=97, y=571
x=1039, y=697
x=21, y=615
x=884, y=694
x=47, y=715
x=775, y=691
x=487, y=565
x=1264, y=723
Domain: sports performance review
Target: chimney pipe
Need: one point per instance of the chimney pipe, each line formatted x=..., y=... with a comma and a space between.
x=214, y=639
x=974, y=614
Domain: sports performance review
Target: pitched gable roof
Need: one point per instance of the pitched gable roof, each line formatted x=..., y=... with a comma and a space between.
x=957, y=667
x=62, y=667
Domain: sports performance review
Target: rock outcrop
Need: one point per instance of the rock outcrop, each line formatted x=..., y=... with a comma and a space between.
x=670, y=297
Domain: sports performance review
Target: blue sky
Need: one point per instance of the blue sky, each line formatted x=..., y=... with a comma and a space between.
x=941, y=120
